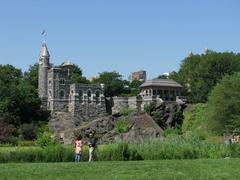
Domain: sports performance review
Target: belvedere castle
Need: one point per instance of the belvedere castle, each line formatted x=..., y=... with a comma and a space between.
x=86, y=102
x=58, y=94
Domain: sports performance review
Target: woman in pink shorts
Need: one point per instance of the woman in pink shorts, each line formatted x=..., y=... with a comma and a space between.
x=78, y=148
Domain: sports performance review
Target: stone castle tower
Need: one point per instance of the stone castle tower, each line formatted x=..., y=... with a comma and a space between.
x=59, y=94
x=43, y=74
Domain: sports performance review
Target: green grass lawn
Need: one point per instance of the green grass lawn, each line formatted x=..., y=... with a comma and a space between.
x=159, y=169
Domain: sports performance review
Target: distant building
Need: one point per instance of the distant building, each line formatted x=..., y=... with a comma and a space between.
x=139, y=75
x=93, y=78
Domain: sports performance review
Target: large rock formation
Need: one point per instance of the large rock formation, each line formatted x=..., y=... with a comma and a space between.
x=141, y=126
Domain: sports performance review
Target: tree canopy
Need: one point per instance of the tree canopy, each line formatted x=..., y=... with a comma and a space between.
x=19, y=100
x=200, y=73
x=224, y=102
x=77, y=75
x=113, y=83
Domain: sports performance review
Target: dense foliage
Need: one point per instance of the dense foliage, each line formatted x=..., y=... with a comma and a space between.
x=113, y=83
x=224, y=102
x=166, y=115
x=200, y=73
x=195, y=120
x=19, y=101
x=76, y=74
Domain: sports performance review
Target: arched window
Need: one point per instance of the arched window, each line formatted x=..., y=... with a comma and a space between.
x=80, y=94
x=50, y=93
x=62, y=94
x=97, y=94
x=146, y=92
x=89, y=95
x=62, y=81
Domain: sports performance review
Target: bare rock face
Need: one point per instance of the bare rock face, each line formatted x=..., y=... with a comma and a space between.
x=144, y=127
x=141, y=126
x=59, y=123
x=65, y=130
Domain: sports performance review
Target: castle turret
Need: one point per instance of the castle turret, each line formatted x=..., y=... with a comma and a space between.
x=43, y=73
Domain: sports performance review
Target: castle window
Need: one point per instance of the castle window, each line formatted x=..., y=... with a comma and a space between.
x=62, y=94
x=97, y=94
x=50, y=93
x=49, y=82
x=80, y=94
x=62, y=81
x=89, y=94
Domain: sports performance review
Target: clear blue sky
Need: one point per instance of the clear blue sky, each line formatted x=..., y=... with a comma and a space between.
x=121, y=35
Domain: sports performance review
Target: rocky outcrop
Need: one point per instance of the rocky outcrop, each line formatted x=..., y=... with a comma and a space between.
x=60, y=122
x=65, y=128
x=141, y=126
x=172, y=113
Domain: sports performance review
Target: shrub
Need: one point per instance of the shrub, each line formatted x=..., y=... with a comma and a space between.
x=7, y=131
x=159, y=119
x=122, y=125
x=149, y=108
x=126, y=111
x=224, y=101
x=28, y=131
x=195, y=121
x=171, y=131
x=26, y=143
x=45, y=140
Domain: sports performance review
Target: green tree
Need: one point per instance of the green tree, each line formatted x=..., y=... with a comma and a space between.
x=224, y=102
x=19, y=100
x=76, y=74
x=200, y=73
x=162, y=76
x=32, y=75
x=113, y=83
x=195, y=120
x=135, y=87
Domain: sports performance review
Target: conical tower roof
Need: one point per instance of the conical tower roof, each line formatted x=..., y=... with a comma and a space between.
x=44, y=51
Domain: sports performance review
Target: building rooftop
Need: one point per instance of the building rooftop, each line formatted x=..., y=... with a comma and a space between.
x=161, y=83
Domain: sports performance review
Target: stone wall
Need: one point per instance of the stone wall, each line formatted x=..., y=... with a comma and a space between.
x=136, y=103
x=88, y=112
x=119, y=103
x=58, y=105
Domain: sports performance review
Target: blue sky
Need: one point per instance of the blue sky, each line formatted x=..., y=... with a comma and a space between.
x=121, y=35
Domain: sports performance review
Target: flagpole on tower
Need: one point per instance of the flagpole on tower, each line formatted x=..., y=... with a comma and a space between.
x=43, y=33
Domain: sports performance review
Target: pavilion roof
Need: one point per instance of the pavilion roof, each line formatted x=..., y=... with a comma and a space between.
x=161, y=83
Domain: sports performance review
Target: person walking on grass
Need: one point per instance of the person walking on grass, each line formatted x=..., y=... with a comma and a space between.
x=78, y=148
x=92, y=146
